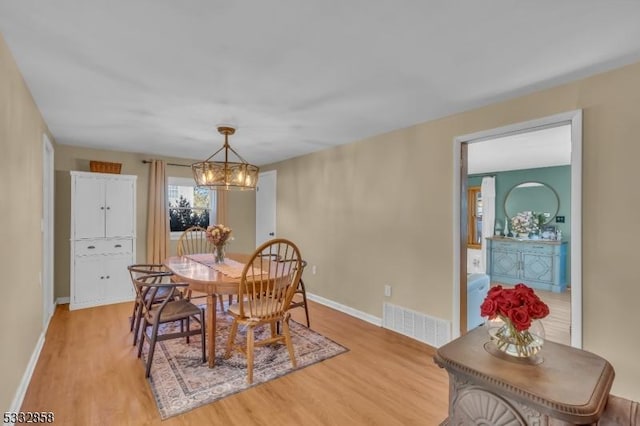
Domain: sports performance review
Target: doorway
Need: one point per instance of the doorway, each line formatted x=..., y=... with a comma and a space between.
x=461, y=143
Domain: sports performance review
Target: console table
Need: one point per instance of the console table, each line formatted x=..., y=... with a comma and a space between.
x=570, y=386
x=540, y=264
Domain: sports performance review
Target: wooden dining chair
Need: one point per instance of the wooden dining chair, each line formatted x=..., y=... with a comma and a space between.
x=137, y=271
x=266, y=289
x=155, y=313
x=194, y=241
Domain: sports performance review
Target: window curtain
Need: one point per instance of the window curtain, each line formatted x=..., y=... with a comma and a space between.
x=221, y=206
x=488, y=190
x=157, y=213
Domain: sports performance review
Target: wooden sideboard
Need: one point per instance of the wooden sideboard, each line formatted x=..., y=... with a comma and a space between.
x=541, y=264
x=570, y=386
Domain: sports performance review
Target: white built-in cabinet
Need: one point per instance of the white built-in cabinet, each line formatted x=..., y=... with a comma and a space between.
x=103, y=236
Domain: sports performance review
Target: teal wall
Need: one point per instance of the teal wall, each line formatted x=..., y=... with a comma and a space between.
x=558, y=178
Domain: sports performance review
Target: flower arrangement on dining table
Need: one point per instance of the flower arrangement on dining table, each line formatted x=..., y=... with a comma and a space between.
x=218, y=235
x=525, y=222
x=516, y=307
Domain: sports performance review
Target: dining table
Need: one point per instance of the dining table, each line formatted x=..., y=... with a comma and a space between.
x=204, y=275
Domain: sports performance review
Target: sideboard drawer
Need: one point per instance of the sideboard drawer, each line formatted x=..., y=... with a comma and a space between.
x=538, y=248
x=505, y=245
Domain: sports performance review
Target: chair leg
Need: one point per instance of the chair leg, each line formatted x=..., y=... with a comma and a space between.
x=304, y=300
x=152, y=348
x=250, y=354
x=136, y=323
x=232, y=338
x=142, y=337
x=188, y=328
x=287, y=339
x=133, y=315
x=273, y=327
x=203, y=335
x=221, y=301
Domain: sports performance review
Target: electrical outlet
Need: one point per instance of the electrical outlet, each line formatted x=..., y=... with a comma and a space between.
x=387, y=290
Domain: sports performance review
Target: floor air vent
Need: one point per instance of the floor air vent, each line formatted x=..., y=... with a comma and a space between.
x=432, y=331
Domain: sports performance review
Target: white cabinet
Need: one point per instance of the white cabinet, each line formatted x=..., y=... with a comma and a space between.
x=106, y=205
x=103, y=224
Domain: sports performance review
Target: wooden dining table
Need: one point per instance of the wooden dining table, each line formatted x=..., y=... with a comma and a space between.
x=203, y=276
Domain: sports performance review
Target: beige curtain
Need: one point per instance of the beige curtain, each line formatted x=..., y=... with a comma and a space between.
x=221, y=206
x=157, y=214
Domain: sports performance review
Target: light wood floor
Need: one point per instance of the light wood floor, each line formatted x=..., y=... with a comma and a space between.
x=88, y=374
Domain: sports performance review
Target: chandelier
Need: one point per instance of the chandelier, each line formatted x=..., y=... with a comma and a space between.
x=225, y=174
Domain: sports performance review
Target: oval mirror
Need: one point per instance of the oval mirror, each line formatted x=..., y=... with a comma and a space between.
x=532, y=196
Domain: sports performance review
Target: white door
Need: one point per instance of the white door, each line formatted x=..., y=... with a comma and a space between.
x=89, y=215
x=266, y=207
x=48, y=304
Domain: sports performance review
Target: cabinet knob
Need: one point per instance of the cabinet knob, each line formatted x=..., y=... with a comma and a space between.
x=91, y=247
x=118, y=245
x=108, y=208
x=102, y=278
x=271, y=234
x=107, y=276
x=101, y=208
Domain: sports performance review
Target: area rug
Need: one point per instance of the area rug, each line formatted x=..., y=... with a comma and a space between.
x=181, y=382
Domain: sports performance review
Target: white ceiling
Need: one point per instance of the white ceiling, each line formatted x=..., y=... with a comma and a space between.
x=158, y=76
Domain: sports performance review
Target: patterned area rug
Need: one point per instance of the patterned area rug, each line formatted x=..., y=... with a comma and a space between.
x=181, y=382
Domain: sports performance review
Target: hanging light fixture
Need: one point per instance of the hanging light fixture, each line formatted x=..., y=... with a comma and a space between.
x=225, y=174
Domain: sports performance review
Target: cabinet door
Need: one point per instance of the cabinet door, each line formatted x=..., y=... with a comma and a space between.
x=117, y=285
x=505, y=263
x=88, y=280
x=88, y=208
x=120, y=203
x=537, y=267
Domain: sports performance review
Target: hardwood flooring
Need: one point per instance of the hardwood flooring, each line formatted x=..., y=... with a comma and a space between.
x=88, y=374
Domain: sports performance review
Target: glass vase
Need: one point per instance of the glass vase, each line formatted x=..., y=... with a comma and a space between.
x=218, y=253
x=520, y=344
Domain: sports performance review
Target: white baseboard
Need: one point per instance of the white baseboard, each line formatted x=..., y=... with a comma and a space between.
x=62, y=300
x=346, y=309
x=26, y=377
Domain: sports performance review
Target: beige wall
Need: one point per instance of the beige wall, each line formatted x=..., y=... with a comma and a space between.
x=379, y=212
x=21, y=130
x=241, y=204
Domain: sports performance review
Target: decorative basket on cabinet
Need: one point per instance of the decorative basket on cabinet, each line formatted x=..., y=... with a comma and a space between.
x=105, y=167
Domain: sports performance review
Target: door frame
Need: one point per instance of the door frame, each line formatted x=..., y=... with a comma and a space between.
x=47, y=227
x=573, y=118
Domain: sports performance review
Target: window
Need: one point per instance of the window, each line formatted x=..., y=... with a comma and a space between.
x=189, y=205
x=474, y=219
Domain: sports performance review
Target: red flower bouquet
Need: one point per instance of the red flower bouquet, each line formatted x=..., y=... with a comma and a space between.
x=514, y=309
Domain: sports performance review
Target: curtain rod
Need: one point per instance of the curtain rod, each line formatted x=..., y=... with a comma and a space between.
x=169, y=164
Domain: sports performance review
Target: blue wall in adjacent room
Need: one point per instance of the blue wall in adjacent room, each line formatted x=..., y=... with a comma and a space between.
x=558, y=178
